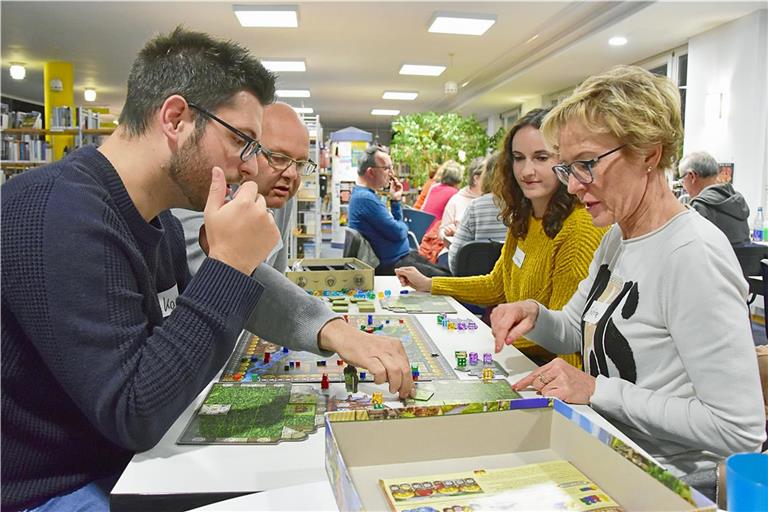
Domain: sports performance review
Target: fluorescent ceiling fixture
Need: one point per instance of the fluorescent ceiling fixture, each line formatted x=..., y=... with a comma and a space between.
x=399, y=95
x=384, y=112
x=423, y=70
x=90, y=94
x=269, y=16
x=617, y=41
x=292, y=93
x=462, y=24
x=18, y=71
x=296, y=65
x=304, y=110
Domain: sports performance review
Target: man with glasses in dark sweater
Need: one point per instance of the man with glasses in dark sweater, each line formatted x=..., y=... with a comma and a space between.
x=106, y=338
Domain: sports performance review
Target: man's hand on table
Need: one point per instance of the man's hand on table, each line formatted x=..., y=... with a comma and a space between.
x=383, y=356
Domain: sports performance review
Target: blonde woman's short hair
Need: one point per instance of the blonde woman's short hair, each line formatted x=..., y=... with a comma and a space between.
x=634, y=105
x=453, y=173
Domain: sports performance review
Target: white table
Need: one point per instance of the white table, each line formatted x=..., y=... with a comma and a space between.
x=169, y=472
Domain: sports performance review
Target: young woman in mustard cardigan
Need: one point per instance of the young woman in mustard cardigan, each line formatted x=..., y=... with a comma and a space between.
x=550, y=238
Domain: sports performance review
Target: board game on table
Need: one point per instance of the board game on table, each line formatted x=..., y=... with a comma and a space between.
x=417, y=303
x=450, y=392
x=248, y=364
x=256, y=413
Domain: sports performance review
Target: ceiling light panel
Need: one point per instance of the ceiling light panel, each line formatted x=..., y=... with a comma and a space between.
x=384, y=112
x=292, y=93
x=617, y=41
x=461, y=23
x=304, y=110
x=267, y=16
x=284, y=65
x=421, y=69
x=399, y=95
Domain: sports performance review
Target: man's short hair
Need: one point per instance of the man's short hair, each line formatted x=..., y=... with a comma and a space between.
x=369, y=160
x=700, y=162
x=204, y=70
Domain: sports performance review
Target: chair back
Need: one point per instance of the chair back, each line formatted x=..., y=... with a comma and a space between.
x=477, y=258
x=418, y=222
x=352, y=241
x=749, y=256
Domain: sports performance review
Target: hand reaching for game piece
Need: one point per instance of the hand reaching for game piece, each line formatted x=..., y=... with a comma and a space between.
x=559, y=379
x=511, y=321
x=383, y=356
x=410, y=276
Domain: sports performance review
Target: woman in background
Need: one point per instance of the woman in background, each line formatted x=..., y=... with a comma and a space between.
x=481, y=221
x=550, y=239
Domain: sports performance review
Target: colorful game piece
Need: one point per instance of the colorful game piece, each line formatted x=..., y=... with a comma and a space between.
x=403, y=292
x=369, y=329
x=487, y=358
x=339, y=362
x=471, y=325
x=292, y=364
x=237, y=376
x=370, y=319
x=473, y=359
x=346, y=318
x=362, y=374
x=381, y=295
x=351, y=379
x=387, y=293
x=487, y=374
x=298, y=364
x=377, y=399
x=461, y=360
x=285, y=350
x=440, y=319
x=286, y=367
x=324, y=383
x=267, y=357
x=415, y=371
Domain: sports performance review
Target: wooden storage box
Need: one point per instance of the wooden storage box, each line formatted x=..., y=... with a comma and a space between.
x=333, y=274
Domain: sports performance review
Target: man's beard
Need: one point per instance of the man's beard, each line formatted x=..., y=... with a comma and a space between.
x=190, y=170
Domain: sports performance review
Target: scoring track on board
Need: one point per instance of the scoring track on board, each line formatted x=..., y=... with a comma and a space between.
x=247, y=363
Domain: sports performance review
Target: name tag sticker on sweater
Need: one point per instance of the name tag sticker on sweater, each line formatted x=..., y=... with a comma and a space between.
x=595, y=312
x=167, y=300
x=519, y=257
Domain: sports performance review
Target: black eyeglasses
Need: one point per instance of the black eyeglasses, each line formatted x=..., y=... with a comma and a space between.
x=281, y=162
x=385, y=167
x=580, y=169
x=251, y=147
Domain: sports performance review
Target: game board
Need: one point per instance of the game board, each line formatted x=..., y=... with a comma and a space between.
x=417, y=303
x=247, y=361
x=448, y=392
x=256, y=413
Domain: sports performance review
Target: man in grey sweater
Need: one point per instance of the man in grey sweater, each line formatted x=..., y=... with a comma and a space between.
x=717, y=202
x=287, y=313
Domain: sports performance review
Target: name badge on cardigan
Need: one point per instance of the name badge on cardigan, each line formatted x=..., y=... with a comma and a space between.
x=519, y=257
x=167, y=300
x=595, y=312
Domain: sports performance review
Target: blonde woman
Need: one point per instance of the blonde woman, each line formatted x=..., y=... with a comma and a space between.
x=661, y=318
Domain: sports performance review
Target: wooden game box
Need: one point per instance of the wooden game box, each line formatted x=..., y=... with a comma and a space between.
x=333, y=274
x=417, y=441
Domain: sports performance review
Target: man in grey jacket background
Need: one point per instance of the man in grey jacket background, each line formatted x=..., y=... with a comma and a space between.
x=717, y=202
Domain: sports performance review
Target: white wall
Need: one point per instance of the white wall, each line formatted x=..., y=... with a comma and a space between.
x=727, y=101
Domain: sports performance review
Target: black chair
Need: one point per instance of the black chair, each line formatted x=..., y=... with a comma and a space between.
x=749, y=256
x=352, y=241
x=418, y=222
x=477, y=258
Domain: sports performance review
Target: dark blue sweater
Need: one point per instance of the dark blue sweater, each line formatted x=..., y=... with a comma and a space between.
x=387, y=233
x=91, y=371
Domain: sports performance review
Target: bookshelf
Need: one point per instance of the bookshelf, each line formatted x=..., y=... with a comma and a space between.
x=306, y=224
x=25, y=144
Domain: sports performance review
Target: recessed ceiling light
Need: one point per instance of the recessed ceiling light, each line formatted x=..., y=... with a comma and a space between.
x=399, y=95
x=18, y=71
x=423, y=70
x=384, y=112
x=89, y=94
x=292, y=93
x=304, y=110
x=466, y=83
x=462, y=24
x=268, y=16
x=284, y=65
x=532, y=39
x=617, y=41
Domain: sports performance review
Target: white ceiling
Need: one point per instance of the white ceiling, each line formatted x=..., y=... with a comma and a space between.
x=354, y=49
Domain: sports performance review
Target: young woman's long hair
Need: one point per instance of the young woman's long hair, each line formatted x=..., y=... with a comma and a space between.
x=516, y=208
